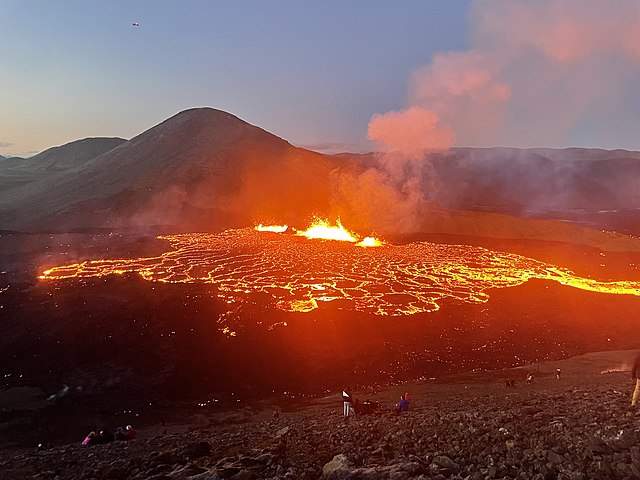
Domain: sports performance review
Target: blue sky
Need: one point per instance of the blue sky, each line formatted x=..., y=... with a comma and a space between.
x=311, y=72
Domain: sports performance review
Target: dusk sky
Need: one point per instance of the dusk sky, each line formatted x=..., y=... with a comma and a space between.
x=313, y=73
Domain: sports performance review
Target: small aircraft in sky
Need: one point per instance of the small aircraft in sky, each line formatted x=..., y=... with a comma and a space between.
x=135, y=24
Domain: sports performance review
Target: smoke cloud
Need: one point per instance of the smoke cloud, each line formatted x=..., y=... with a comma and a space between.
x=543, y=73
x=371, y=202
x=534, y=73
x=412, y=131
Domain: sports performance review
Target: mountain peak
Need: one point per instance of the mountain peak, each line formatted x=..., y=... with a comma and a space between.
x=206, y=116
x=206, y=126
x=206, y=112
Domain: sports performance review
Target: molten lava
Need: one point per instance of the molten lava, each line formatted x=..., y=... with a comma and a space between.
x=293, y=274
x=321, y=229
x=271, y=228
x=369, y=242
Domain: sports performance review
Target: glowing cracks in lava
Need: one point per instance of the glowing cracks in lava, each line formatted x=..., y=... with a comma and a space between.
x=271, y=228
x=301, y=306
x=295, y=275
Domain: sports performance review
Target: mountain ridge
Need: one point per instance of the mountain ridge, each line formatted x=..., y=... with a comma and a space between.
x=16, y=172
x=190, y=155
x=74, y=153
x=204, y=169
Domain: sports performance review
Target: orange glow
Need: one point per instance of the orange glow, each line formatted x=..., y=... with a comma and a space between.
x=369, y=242
x=321, y=229
x=271, y=228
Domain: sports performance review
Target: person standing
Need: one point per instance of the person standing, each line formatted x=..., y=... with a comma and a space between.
x=346, y=401
x=403, y=404
x=635, y=374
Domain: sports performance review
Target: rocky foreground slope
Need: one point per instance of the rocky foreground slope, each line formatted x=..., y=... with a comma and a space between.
x=580, y=427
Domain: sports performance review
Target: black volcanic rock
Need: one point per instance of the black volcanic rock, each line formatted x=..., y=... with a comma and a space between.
x=443, y=432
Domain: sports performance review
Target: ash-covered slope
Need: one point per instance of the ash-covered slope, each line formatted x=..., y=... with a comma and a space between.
x=202, y=167
x=72, y=154
x=17, y=172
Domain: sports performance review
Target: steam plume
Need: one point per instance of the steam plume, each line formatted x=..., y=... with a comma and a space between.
x=412, y=131
x=537, y=73
x=535, y=70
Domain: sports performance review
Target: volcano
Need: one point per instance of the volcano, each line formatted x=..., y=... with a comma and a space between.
x=211, y=277
x=204, y=170
x=195, y=168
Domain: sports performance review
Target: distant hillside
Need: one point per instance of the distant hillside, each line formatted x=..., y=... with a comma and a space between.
x=72, y=154
x=205, y=169
x=18, y=172
x=538, y=181
x=202, y=167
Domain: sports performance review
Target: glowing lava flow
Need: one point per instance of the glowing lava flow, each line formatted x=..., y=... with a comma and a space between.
x=293, y=274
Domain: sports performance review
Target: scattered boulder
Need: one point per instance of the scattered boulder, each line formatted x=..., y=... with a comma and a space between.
x=554, y=458
x=243, y=475
x=444, y=462
x=569, y=439
x=196, y=450
x=339, y=468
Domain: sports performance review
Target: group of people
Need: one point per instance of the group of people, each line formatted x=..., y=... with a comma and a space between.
x=511, y=383
x=106, y=436
x=635, y=375
x=353, y=406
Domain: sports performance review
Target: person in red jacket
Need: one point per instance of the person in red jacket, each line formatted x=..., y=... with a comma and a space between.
x=635, y=374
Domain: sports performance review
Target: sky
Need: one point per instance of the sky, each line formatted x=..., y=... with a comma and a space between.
x=313, y=73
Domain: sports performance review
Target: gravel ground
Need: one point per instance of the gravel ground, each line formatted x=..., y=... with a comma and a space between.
x=580, y=427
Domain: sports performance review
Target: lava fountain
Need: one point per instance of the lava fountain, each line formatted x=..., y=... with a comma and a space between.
x=369, y=242
x=321, y=229
x=299, y=273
